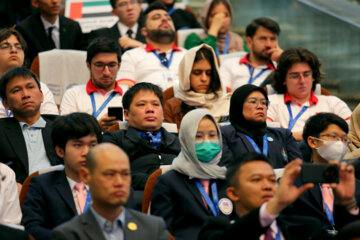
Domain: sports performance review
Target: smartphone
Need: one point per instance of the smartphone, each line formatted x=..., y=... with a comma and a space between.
x=117, y=112
x=319, y=173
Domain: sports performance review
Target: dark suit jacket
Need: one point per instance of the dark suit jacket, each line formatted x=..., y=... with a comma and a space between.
x=248, y=228
x=32, y=29
x=177, y=199
x=86, y=227
x=13, y=146
x=113, y=33
x=144, y=159
x=282, y=149
x=9, y=233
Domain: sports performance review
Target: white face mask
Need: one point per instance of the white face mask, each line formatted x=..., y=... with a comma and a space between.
x=332, y=150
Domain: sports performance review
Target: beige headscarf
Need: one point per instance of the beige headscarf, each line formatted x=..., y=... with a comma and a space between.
x=216, y=105
x=354, y=134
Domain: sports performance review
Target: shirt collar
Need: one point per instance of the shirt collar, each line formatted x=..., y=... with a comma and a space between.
x=245, y=60
x=123, y=29
x=150, y=48
x=90, y=88
x=102, y=220
x=72, y=184
x=313, y=99
x=40, y=123
x=47, y=24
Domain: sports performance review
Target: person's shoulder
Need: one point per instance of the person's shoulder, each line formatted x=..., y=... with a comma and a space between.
x=227, y=129
x=46, y=178
x=49, y=117
x=30, y=20
x=144, y=217
x=69, y=21
x=76, y=88
x=276, y=97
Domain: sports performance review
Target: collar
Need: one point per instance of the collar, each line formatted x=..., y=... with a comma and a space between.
x=150, y=48
x=47, y=24
x=123, y=29
x=72, y=184
x=312, y=101
x=40, y=123
x=102, y=220
x=245, y=60
x=90, y=88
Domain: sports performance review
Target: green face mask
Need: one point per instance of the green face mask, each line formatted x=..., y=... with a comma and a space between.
x=206, y=151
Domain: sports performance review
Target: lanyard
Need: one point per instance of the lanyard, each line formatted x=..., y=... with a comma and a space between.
x=292, y=120
x=167, y=65
x=278, y=234
x=226, y=47
x=171, y=11
x=8, y=112
x=88, y=202
x=251, y=71
x=256, y=147
x=328, y=213
x=101, y=108
x=213, y=205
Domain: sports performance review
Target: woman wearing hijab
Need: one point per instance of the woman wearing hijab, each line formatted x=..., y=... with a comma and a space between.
x=248, y=131
x=199, y=87
x=194, y=189
x=216, y=17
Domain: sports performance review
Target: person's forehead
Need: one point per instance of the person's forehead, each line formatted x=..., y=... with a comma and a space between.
x=104, y=56
x=20, y=79
x=157, y=12
x=334, y=128
x=256, y=167
x=143, y=95
x=11, y=38
x=299, y=67
x=263, y=31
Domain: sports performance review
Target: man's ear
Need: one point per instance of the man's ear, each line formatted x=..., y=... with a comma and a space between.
x=126, y=114
x=88, y=66
x=249, y=42
x=35, y=3
x=59, y=151
x=231, y=193
x=143, y=31
x=84, y=175
x=312, y=142
x=5, y=103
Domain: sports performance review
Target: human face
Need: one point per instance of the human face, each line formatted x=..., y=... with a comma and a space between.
x=11, y=57
x=200, y=76
x=260, y=44
x=128, y=11
x=220, y=8
x=206, y=131
x=23, y=97
x=48, y=8
x=253, y=110
x=299, y=81
x=145, y=112
x=159, y=27
x=104, y=78
x=256, y=184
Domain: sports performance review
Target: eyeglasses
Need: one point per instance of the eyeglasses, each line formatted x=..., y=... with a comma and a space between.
x=8, y=46
x=333, y=137
x=100, y=66
x=296, y=76
x=255, y=102
x=126, y=4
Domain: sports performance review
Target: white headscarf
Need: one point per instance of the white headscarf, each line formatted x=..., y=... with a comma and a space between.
x=187, y=162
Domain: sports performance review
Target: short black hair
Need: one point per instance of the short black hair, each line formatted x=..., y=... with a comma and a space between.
x=74, y=126
x=16, y=72
x=264, y=22
x=5, y=33
x=102, y=45
x=320, y=122
x=143, y=86
x=287, y=59
x=157, y=5
x=233, y=169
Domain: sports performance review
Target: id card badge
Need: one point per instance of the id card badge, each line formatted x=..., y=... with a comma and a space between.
x=169, y=78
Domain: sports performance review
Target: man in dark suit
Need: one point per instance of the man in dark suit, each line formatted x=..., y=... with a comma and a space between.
x=259, y=202
x=127, y=32
x=46, y=29
x=26, y=145
x=107, y=173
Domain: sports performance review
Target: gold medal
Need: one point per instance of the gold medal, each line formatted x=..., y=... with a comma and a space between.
x=132, y=226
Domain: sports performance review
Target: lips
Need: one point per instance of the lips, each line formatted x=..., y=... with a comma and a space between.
x=150, y=118
x=28, y=103
x=268, y=197
x=120, y=193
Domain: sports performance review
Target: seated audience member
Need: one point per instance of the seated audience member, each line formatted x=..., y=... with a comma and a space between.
x=10, y=212
x=46, y=29
x=182, y=196
x=147, y=144
x=259, y=202
x=325, y=135
x=12, y=48
x=199, y=87
x=295, y=80
x=216, y=17
x=248, y=131
x=182, y=19
x=108, y=176
x=262, y=40
x=158, y=61
x=354, y=134
x=102, y=90
x=25, y=144
x=127, y=31
x=56, y=197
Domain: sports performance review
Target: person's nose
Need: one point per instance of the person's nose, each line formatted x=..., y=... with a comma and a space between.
x=106, y=70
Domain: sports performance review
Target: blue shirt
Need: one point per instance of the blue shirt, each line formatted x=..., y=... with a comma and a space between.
x=111, y=231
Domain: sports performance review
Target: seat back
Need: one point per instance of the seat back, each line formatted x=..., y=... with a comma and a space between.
x=224, y=57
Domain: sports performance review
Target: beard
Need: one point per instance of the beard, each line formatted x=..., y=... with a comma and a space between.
x=262, y=56
x=161, y=36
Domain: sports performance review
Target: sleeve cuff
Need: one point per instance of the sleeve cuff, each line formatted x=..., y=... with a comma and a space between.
x=266, y=218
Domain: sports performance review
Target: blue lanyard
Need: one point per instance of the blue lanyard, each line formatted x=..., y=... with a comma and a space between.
x=88, y=202
x=256, y=147
x=328, y=213
x=292, y=120
x=213, y=205
x=226, y=47
x=278, y=234
x=168, y=62
x=251, y=71
x=171, y=11
x=8, y=113
x=101, y=108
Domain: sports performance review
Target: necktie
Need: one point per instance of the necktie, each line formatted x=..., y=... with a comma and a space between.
x=205, y=184
x=327, y=196
x=129, y=32
x=163, y=60
x=51, y=40
x=268, y=235
x=79, y=187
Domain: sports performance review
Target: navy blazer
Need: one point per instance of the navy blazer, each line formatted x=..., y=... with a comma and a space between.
x=13, y=146
x=177, y=199
x=282, y=146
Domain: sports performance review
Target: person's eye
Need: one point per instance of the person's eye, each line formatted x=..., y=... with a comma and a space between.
x=255, y=180
x=252, y=101
x=196, y=72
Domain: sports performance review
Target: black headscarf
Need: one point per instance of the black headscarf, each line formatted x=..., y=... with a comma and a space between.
x=254, y=130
